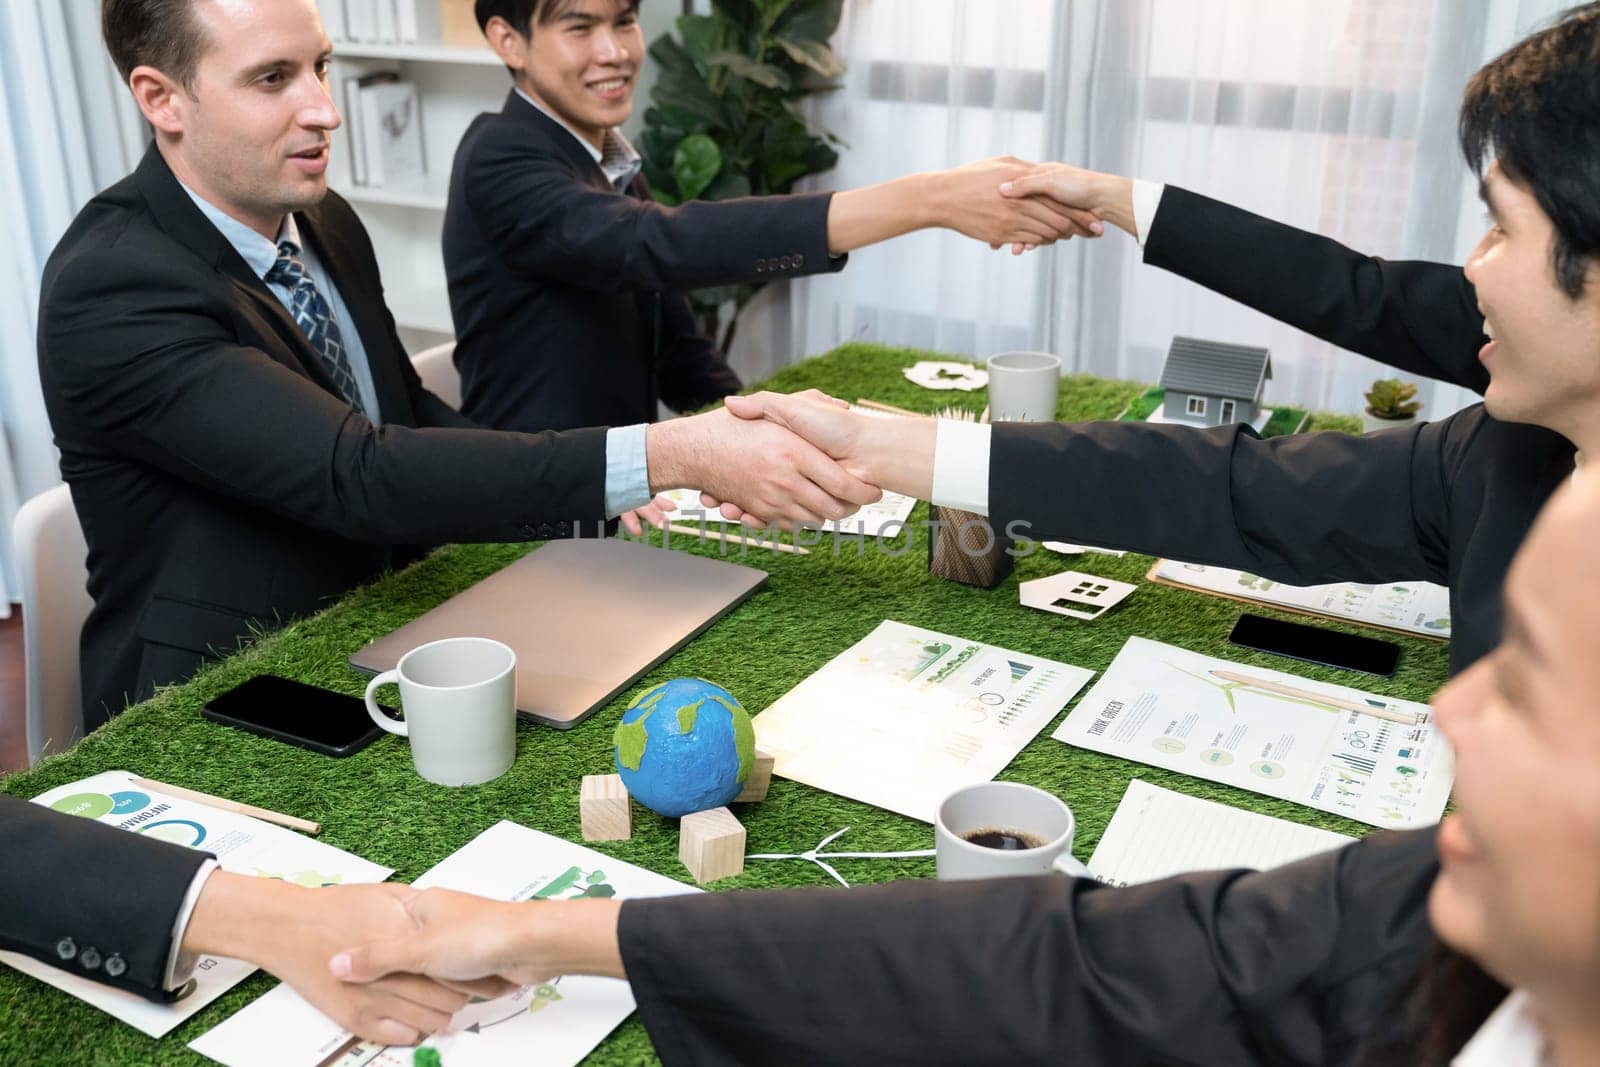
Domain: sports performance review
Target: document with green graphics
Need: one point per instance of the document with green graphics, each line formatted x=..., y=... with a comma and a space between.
x=906, y=716
x=1377, y=760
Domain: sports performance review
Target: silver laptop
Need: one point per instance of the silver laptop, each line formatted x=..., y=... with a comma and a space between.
x=585, y=618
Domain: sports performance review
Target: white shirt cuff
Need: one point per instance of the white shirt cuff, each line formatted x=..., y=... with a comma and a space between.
x=961, y=466
x=1146, y=202
x=180, y=964
x=627, y=470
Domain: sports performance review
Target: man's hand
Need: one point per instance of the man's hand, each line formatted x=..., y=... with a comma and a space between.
x=770, y=473
x=654, y=513
x=894, y=453
x=459, y=938
x=291, y=931
x=968, y=200
x=1075, y=191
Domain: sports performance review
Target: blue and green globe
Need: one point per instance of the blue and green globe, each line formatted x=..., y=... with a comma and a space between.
x=684, y=746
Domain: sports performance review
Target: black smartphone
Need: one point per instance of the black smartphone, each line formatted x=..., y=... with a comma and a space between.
x=1312, y=644
x=299, y=714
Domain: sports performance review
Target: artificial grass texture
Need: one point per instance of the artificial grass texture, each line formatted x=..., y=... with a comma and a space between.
x=811, y=608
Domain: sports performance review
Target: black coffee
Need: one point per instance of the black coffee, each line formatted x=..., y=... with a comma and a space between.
x=1004, y=840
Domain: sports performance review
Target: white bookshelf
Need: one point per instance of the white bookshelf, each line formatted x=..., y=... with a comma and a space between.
x=454, y=84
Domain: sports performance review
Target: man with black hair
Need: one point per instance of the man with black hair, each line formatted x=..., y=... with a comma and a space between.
x=243, y=434
x=567, y=280
x=1448, y=501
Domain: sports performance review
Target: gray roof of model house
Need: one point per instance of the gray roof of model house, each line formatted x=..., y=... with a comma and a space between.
x=1211, y=368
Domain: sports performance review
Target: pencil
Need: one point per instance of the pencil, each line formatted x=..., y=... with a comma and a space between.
x=264, y=814
x=889, y=409
x=1407, y=717
x=733, y=538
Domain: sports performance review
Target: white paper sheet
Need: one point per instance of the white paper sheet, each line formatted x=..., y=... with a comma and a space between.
x=554, y=1024
x=905, y=716
x=1415, y=607
x=241, y=844
x=1162, y=705
x=1156, y=833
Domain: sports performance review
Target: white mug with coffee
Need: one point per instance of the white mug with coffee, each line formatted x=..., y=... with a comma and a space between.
x=1023, y=387
x=459, y=696
x=996, y=829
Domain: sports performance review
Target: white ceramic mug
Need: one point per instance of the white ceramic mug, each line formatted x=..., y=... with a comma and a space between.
x=459, y=696
x=1023, y=387
x=1008, y=807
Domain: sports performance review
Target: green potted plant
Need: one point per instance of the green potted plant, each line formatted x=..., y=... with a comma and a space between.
x=1389, y=403
x=726, y=118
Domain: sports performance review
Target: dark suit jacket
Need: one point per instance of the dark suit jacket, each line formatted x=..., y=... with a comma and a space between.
x=568, y=295
x=1448, y=501
x=71, y=884
x=1292, y=966
x=221, y=481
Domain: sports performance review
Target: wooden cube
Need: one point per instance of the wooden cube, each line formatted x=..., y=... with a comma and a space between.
x=604, y=809
x=760, y=780
x=711, y=844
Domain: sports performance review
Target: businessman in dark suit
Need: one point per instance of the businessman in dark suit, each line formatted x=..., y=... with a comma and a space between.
x=567, y=280
x=134, y=912
x=242, y=432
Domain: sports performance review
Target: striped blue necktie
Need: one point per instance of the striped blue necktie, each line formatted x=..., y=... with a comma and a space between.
x=313, y=315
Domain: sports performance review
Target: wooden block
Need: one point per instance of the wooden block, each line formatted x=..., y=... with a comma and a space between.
x=711, y=844
x=760, y=780
x=604, y=809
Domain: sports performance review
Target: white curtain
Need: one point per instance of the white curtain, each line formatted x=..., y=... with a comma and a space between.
x=1336, y=116
x=67, y=129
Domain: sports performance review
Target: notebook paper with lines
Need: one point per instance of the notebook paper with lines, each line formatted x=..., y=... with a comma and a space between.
x=1156, y=833
x=906, y=716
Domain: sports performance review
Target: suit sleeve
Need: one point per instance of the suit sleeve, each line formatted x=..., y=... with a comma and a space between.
x=71, y=879
x=1303, y=509
x=543, y=221
x=690, y=372
x=142, y=357
x=1420, y=317
x=1225, y=967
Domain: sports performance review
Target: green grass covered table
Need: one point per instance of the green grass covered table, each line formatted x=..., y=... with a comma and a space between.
x=811, y=608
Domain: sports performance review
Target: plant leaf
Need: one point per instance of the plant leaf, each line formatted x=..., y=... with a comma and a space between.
x=810, y=20
x=814, y=54
x=729, y=185
x=701, y=35
x=695, y=164
x=764, y=74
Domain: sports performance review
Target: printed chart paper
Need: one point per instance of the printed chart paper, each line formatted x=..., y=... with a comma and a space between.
x=1157, y=833
x=557, y=1023
x=906, y=716
x=1411, y=607
x=1165, y=706
x=242, y=845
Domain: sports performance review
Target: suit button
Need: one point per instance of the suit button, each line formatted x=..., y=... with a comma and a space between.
x=791, y=262
x=544, y=531
x=761, y=266
x=89, y=958
x=800, y=261
x=66, y=948
x=526, y=531
x=563, y=529
x=115, y=965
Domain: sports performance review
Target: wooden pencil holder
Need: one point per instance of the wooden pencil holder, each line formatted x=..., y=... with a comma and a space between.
x=966, y=548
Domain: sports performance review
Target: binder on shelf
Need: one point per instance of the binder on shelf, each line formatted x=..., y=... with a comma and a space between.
x=332, y=12
x=361, y=20
x=386, y=22
x=362, y=75
x=391, y=131
x=406, y=21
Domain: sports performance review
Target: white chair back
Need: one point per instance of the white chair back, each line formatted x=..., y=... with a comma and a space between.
x=437, y=370
x=52, y=564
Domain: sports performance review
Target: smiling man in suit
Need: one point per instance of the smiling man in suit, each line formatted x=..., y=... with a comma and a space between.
x=242, y=432
x=567, y=280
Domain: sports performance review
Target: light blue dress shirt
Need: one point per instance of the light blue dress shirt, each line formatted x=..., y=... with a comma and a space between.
x=627, y=474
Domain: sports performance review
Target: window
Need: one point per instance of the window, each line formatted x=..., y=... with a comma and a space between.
x=1227, y=411
x=1197, y=405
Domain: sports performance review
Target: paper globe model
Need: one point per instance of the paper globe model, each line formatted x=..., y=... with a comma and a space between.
x=684, y=746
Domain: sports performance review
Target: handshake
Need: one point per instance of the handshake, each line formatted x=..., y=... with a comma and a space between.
x=785, y=460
